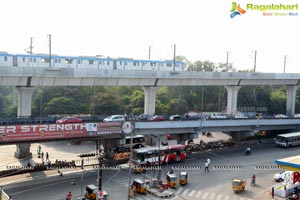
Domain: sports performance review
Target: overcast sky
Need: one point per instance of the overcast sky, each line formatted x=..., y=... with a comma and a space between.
x=202, y=30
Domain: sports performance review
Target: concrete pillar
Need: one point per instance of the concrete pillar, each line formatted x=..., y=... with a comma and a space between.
x=291, y=99
x=24, y=110
x=232, y=93
x=24, y=101
x=23, y=151
x=150, y=96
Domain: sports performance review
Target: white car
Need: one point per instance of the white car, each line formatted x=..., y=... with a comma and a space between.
x=281, y=116
x=114, y=118
x=281, y=175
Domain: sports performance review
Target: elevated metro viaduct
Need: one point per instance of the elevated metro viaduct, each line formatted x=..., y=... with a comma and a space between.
x=26, y=78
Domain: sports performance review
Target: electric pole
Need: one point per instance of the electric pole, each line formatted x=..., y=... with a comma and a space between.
x=49, y=37
x=149, y=52
x=227, y=58
x=174, y=57
x=284, y=64
x=255, y=52
x=30, y=47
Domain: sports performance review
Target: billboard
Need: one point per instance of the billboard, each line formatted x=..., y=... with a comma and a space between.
x=41, y=132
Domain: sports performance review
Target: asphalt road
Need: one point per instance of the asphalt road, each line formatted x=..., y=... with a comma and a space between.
x=214, y=185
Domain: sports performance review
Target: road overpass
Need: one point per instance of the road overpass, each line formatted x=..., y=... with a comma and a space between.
x=110, y=133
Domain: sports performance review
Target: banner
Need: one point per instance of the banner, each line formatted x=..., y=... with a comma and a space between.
x=24, y=133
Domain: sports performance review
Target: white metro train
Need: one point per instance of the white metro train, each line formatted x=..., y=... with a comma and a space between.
x=87, y=62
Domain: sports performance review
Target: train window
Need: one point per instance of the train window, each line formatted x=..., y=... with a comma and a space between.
x=152, y=64
x=5, y=58
x=79, y=61
x=45, y=60
x=169, y=65
x=34, y=59
x=69, y=61
x=30, y=59
x=91, y=62
x=107, y=62
x=135, y=64
x=125, y=63
x=23, y=59
x=120, y=62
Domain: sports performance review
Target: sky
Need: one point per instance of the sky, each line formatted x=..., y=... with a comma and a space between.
x=201, y=30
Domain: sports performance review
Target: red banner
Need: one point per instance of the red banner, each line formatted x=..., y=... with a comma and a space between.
x=17, y=133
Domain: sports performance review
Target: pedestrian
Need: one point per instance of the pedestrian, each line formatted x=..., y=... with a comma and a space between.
x=69, y=196
x=82, y=163
x=206, y=167
x=42, y=155
x=47, y=156
x=208, y=161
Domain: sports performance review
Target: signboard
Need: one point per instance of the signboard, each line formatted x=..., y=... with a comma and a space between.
x=22, y=133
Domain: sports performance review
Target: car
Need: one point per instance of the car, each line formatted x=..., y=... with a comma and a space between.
x=69, y=120
x=240, y=116
x=218, y=116
x=144, y=117
x=114, y=118
x=297, y=115
x=281, y=116
x=281, y=175
x=157, y=118
x=175, y=117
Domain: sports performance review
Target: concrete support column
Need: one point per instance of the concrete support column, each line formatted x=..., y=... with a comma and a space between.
x=291, y=99
x=232, y=93
x=24, y=110
x=24, y=101
x=150, y=96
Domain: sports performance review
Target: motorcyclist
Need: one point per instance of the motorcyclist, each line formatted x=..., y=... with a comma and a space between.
x=253, y=179
x=248, y=150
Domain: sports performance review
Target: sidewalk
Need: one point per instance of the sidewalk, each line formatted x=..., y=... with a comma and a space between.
x=60, y=151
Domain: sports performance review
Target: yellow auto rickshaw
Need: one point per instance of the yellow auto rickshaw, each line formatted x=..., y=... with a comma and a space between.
x=171, y=180
x=238, y=185
x=92, y=193
x=139, y=186
x=138, y=169
x=183, y=178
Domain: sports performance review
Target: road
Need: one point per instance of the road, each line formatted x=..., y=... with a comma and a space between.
x=213, y=185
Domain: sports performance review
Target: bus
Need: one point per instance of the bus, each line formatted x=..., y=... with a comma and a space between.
x=288, y=139
x=138, y=141
x=168, y=154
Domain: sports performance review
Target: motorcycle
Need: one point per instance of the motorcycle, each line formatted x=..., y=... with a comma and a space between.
x=247, y=151
x=253, y=182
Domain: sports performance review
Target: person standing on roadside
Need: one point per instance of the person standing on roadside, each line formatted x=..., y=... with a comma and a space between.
x=208, y=161
x=69, y=196
x=206, y=167
x=47, y=156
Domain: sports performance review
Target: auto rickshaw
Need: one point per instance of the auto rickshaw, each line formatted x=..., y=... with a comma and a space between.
x=171, y=180
x=183, y=178
x=138, y=169
x=92, y=193
x=139, y=186
x=238, y=185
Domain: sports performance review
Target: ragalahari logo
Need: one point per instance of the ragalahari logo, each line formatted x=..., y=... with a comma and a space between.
x=236, y=10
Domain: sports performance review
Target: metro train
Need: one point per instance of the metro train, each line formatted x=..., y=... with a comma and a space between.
x=87, y=62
